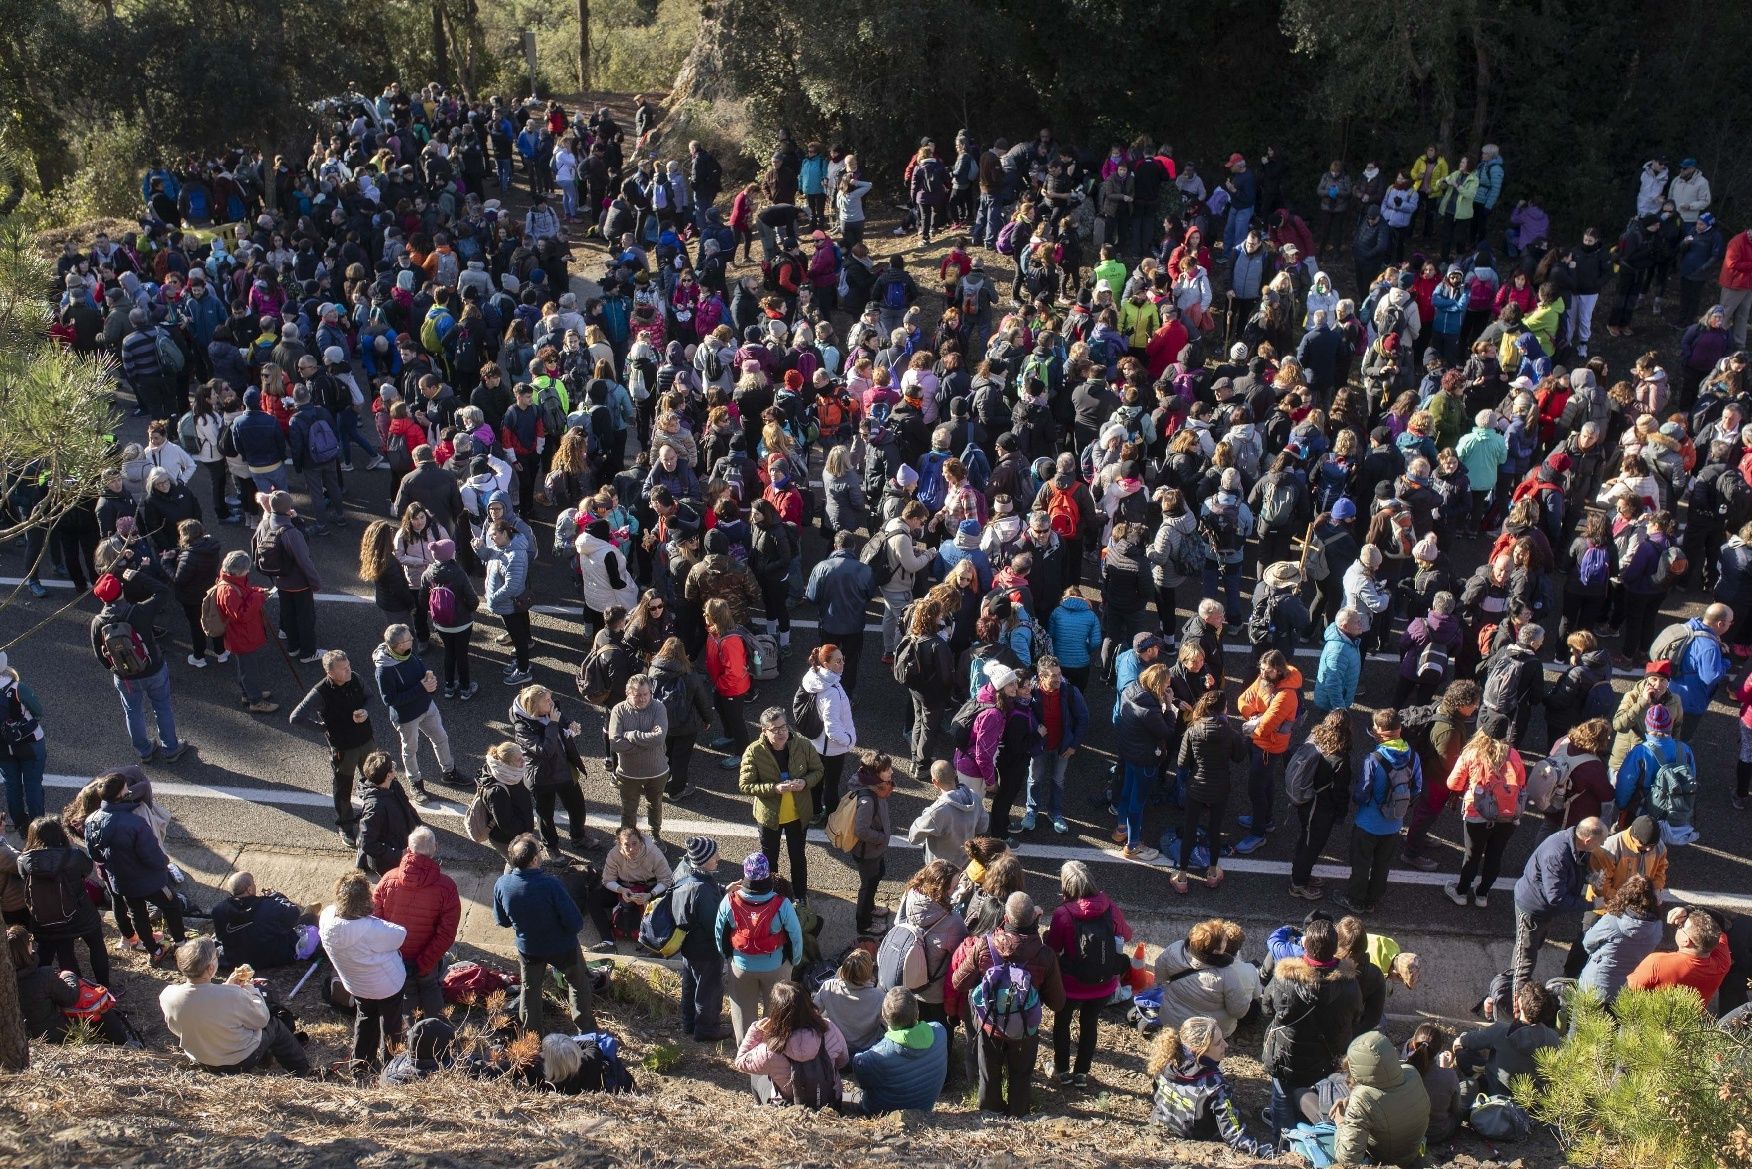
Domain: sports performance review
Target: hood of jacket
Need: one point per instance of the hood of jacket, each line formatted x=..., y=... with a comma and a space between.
x=1309, y=976
x=1084, y=908
x=384, y=656
x=818, y=678
x=1395, y=751
x=419, y=871
x=1074, y=605
x=431, y=1041
x=1190, y=1069
x=1375, y=1062
x=1335, y=634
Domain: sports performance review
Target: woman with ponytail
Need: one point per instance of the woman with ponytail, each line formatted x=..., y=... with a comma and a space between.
x=1193, y=1100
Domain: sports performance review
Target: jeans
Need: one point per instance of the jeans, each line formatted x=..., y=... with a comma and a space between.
x=1282, y=1109
x=870, y=872
x=1137, y=780
x=796, y=835
x=345, y=767
x=1007, y=1060
x=1582, y=318
x=274, y=480
x=927, y=717
x=1316, y=817
x=702, y=993
x=1485, y=845
x=1263, y=772
x=651, y=788
x=1530, y=931
x=298, y=620
x=1046, y=783
x=987, y=220
x=532, y=972
x=572, y=796
x=569, y=196
x=136, y=695
x=1235, y=230
x=1371, y=859
x=425, y=991
x=323, y=484
x=431, y=724
x=1230, y=575
x=247, y=668
x=24, y=784
x=1087, y=1013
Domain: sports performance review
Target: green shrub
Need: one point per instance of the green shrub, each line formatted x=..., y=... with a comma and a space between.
x=1659, y=1087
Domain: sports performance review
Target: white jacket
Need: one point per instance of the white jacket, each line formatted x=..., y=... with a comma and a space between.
x=1690, y=195
x=366, y=953
x=1223, y=993
x=1362, y=592
x=1398, y=206
x=1651, y=188
x=839, y=736
x=599, y=592
x=174, y=459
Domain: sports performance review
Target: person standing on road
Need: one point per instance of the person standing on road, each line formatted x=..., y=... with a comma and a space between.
x=122, y=639
x=824, y=684
x=451, y=601
x=1269, y=708
x=842, y=586
x=780, y=770
x=551, y=763
x=283, y=554
x=338, y=705
x=23, y=750
x=1391, y=780
x=423, y=900
x=729, y=662
x=638, y=729
x=365, y=952
x=406, y=687
x=1492, y=780
x=243, y=608
x=387, y=817
x=536, y=906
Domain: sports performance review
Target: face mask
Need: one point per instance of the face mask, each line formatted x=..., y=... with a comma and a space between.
x=1370, y=172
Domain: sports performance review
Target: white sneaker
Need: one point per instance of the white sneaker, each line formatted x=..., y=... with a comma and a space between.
x=224, y=656
x=376, y=464
x=347, y=467
x=198, y=663
x=315, y=657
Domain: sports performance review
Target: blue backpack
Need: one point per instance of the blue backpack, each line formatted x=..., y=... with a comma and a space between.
x=323, y=445
x=1594, y=566
x=932, y=488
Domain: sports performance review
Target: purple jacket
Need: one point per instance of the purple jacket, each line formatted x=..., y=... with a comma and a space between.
x=1443, y=629
x=980, y=757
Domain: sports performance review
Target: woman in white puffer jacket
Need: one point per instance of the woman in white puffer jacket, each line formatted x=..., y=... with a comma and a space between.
x=366, y=953
x=1204, y=975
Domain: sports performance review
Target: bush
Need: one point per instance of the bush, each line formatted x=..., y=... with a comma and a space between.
x=1659, y=1087
x=106, y=180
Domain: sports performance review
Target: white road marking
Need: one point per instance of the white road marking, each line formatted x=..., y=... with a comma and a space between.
x=296, y=797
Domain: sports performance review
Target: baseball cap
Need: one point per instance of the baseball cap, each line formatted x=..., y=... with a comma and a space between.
x=1235, y=159
x=1344, y=509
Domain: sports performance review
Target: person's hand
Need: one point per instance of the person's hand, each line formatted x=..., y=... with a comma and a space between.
x=1067, y=754
x=574, y=727
x=1677, y=915
x=429, y=682
x=1337, y=1110
x=360, y=716
x=241, y=975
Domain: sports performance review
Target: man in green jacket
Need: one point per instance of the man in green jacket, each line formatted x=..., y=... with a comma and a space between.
x=781, y=771
x=1383, y=1119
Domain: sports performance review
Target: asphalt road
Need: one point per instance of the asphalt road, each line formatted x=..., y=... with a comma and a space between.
x=255, y=780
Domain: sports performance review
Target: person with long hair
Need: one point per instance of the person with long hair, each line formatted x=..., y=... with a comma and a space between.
x=380, y=567
x=1210, y=750
x=771, y=554
x=687, y=698
x=650, y=624
x=1493, y=779
x=790, y=1036
x=53, y=871
x=416, y=540
x=1082, y=907
x=934, y=672
x=1427, y=1052
x=823, y=682
x=872, y=825
x=926, y=907
x=1321, y=767
x=1192, y=1099
x=1628, y=930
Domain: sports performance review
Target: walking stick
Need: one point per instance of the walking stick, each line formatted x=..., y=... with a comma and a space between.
x=306, y=978
x=1301, y=564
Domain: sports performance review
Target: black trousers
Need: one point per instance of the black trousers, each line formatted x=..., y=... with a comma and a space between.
x=1210, y=814
x=1316, y=818
x=298, y=621
x=1485, y=845
x=679, y=750
x=1371, y=857
x=133, y=920
x=1004, y=796
x=870, y=872
x=456, y=656
x=517, y=625
x=568, y=794
x=833, y=768
x=796, y=835
x=1087, y=1013
x=1007, y=1062
x=63, y=955
x=345, y=767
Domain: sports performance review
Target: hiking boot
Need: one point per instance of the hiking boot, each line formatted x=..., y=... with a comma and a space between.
x=263, y=707
x=605, y=946
x=721, y=743
x=421, y=795
x=1250, y=843
x=1347, y=905
x=172, y=754
x=1081, y=1081
x=452, y=777
x=348, y=833
x=1452, y=889
x=1423, y=864
x=1306, y=892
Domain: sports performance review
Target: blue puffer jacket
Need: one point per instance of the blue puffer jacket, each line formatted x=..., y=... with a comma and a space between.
x=398, y=682
x=539, y=909
x=904, y=1069
x=507, y=573
x=260, y=441
x=1341, y=666
x=1076, y=633
x=121, y=840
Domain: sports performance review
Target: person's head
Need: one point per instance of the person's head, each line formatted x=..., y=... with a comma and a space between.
x=198, y=958
x=1274, y=667
x=630, y=842
x=1701, y=933
x=1215, y=941
x=378, y=769
x=789, y=1011
x=399, y=639
x=1209, y=705
x=775, y=727
x=1076, y=882
x=639, y=691
x=1320, y=940
x=1427, y=1043
x=337, y=667
x=1532, y=1003
x=827, y=656
x=1198, y=1038
x=240, y=884
x=1021, y=915
x=1212, y=613
x=23, y=947
x=45, y=832
x=1719, y=617
x=422, y=841
x=1636, y=897
x=353, y=895
x=1594, y=737
x=525, y=851
x=943, y=776
x=1590, y=834
x=900, y=1008
x=1332, y=736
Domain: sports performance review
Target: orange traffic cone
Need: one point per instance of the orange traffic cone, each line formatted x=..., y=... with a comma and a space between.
x=1143, y=975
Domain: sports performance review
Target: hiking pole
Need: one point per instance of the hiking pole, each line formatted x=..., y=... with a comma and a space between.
x=306, y=977
x=1302, y=564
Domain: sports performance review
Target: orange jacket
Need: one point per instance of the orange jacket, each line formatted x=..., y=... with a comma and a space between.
x=1276, y=708
x=1509, y=785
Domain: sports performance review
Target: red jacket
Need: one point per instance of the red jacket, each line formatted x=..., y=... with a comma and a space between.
x=240, y=603
x=417, y=896
x=1737, y=264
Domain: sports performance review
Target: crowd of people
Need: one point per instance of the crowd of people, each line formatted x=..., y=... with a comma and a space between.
x=1171, y=428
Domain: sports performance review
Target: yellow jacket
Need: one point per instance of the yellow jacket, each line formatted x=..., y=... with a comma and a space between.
x=1622, y=858
x=1437, y=171
x=1139, y=322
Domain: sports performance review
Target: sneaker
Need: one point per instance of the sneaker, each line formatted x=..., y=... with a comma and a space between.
x=1119, y=836
x=1481, y=900
x=36, y=589
x=1060, y=826
x=468, y=692
x=349, y=834
x=314, y=656
x=224, y=656
x=452, y=777
x=281, y=635
x=171, y=755
x=1063, y=1080
x=1349, y=906
x=1452, y=889
x=1027, y=824
x=605, y=946
x=449, y=690
x=1306, y=892
x=502, y=639
x=198, y=663
x=517, y=678
x=376, y=464
x=421, y=795
x=1250, y=843
x=1142, y=853
x=1423, y=864
x=347, y=467
x=721, y=743
x=680, y=794
x=263, y=707
x=1081, y=1081
x=1739, y=803
x=1247, y=823
x=729, y=762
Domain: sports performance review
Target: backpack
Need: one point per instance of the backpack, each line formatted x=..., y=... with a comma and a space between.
x=1063, y=513
x=448, y=270
x=1095, y=955
x=763, y=654
x=1189, y=552
x=813, y=1082
x=471, y=982
x=600, y=679
x=123, y=647
x=1416, y=724
x=1502, y=686
x=1548, y=784
x=1400, y=783
x=1673, y=791
x=322, y=444
x=831, y=412
x=1499, y=1118
x=477, y=822
x=1671, y=568
x=1005, y=1002
x=401, y=459
x=894, y=295
x=841, y=823
x=441, y=606
x=1314, y=564
x=932, y=489
x=894, y=957
x=875, y=556
x=961, y=726
x=1673, y=643
x=92, y=1003
x=430, y=339
x=910, y=668
x=1007, y=242
x=212, y=620
x=658, y=933
x=1299, y=774
x=170, y=354
x=1224, y=529
x=1278, y=507
x=1262, y=622
x=50, y=904
x=1594, y=567
x=553, y=419
x=1432, y=663
x=270, y=558
x=751, y=926
x=805, y=715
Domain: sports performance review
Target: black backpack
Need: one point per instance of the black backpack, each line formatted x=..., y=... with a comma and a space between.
x=961, y=726
x=1262, y=622
x=911, y=667
x=53, y=900
x=876, y=556
x=270, y=558
x=805, y=715
x=1095, y=955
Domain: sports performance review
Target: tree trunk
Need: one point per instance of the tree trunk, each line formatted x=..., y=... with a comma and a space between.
x=1480, y=111
x=583, y=46
x=704, y=80
x=14, y=1048
x=440, y=44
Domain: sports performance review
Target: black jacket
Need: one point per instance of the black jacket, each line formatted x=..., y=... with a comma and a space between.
x=384, y=825
x=42, y=992
x=549, y=754
x=197, y=569
x=510, y=808
x=54, y=887
x=1314, y=1013
x=258, y=930
x=163, y=511
x=1142, y=731
x=331, y=707
x=1211, y=749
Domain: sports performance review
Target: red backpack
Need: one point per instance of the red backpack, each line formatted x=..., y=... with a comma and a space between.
x=1063, y=513
x=751, y=926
